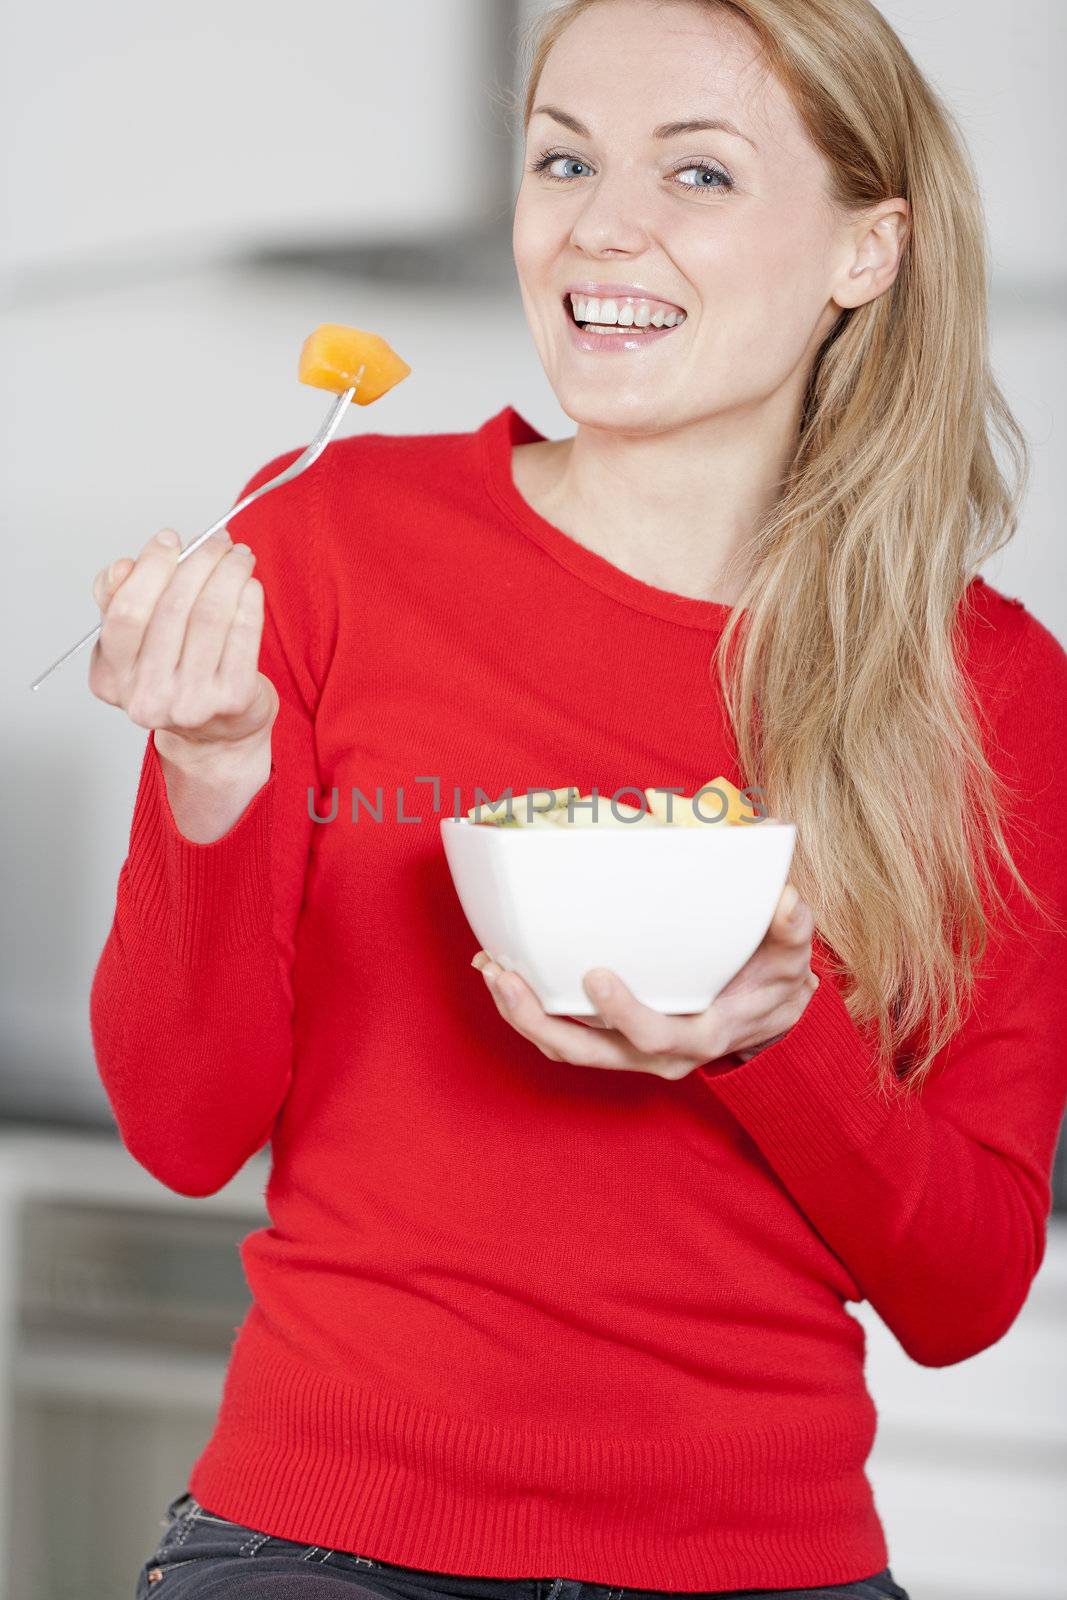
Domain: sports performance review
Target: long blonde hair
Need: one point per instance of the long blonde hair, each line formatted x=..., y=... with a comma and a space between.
x=841, y=679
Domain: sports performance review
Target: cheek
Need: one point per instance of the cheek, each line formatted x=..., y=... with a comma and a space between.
x=763, y=290
x=536, y=251
x=533, y=233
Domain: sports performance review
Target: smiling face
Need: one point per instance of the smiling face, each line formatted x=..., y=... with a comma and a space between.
x=745, y=240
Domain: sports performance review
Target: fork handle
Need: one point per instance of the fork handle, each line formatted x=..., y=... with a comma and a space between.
x=314, y=449
x=94, y=633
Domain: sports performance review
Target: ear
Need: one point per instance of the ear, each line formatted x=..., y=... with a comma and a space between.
x=874, y=253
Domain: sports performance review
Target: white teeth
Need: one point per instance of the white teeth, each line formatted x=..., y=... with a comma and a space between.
x=628, y=313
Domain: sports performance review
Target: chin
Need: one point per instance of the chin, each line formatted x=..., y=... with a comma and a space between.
x=612, y=412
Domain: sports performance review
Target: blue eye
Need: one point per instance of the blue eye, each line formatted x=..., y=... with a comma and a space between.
x=713, y=177
x=547, y=158
x=724, y=182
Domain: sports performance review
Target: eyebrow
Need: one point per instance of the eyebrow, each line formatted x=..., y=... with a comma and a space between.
x=666, y=130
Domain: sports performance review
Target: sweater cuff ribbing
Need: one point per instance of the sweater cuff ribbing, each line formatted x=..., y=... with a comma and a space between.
x=811, y=1097
x=204, y=899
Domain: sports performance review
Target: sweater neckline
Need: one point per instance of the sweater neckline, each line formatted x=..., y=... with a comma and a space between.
x=496, y=438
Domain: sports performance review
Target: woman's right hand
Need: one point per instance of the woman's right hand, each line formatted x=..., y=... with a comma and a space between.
x=179, y=647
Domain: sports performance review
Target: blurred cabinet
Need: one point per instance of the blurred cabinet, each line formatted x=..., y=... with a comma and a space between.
x=118, y=1305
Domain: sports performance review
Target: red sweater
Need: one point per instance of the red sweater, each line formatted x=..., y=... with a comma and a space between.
x=516, y=1318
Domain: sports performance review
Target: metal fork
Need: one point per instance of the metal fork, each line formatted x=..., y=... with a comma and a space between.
x=302, y=462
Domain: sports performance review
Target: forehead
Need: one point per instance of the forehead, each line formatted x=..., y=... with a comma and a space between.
x=626, y=65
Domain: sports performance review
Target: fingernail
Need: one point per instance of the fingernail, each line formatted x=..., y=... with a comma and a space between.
x=168, y=537
x=479, y=959
x=600, y=987
x=790, y=898
x=112, y=573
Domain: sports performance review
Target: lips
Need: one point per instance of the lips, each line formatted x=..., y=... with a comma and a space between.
x=591, y=340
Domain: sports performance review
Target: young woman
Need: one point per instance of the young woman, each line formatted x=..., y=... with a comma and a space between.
x=549, y=1306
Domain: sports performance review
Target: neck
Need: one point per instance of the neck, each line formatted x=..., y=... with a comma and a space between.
x=676, y=509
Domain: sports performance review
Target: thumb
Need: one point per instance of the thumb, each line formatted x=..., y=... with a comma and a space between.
x=786, y=906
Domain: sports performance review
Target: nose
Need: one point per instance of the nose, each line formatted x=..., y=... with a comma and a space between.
x=607, y=222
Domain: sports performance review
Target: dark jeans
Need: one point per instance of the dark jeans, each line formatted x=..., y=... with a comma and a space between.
x=205, y=1557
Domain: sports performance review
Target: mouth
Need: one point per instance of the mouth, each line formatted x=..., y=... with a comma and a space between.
x=629, y=314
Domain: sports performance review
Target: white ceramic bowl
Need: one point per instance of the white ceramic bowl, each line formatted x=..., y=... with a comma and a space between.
x=675, y=911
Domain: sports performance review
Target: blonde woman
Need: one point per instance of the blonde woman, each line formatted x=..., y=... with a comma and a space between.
x=550, y=1308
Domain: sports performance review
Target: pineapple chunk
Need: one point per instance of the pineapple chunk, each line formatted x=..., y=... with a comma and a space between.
x=683, y=814
x=554, y=811
x=333, y=355
x=738, y=809
x=657, y=805
x=493, y=811
x=555, y=800
x=542, y=805
x=605, y=816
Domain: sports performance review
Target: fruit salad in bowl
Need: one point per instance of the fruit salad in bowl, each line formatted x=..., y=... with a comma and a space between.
x=674, y=895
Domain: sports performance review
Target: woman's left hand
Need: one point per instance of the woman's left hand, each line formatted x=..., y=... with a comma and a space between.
x=756, y=1008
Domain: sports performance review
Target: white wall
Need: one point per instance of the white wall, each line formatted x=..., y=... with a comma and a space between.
x=992, y=65
x=148, y=392
x=132, y=130
x=144, y=148
x=145, y=399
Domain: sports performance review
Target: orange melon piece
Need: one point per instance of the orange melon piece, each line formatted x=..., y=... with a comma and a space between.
x=333, y=355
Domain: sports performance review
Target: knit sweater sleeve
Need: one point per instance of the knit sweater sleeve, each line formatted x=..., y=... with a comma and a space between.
x=938, y=1208
x=191, y=1002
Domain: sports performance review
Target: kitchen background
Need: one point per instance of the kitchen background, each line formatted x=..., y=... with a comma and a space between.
x=188, y=192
